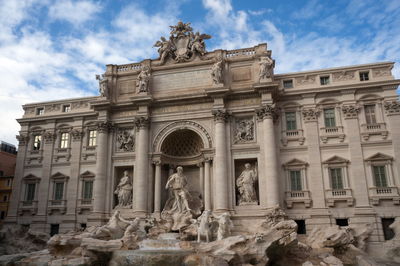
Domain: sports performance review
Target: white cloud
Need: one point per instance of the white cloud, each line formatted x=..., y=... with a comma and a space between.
x=310, y=10
x=75, y=12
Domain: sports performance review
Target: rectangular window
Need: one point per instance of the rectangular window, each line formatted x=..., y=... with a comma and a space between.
x=30, y=192
x=64, y=140
x=58, y=190
x=301, y=227
x=5, y=198
x=37, y=142
x=329, y=117
x=2, y=215
x=66, y=108
x=287, y=84
x=291, y=121
x=92, y=138
x=87, y=189
x=370, y=114
x=336, y=178
x=40, y=111
x=54, y=229
x=295, y=180
x=380, y=176
x=342, y=222
x=387, y=231
x=8, y=182
x=324, y=80
x=364, y=76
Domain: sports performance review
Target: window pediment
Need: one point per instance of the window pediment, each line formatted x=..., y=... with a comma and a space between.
x=31, y=177
x=59, y=176
x=87, y=175
x=336, y=160
x=295, y=163
x=379, y=157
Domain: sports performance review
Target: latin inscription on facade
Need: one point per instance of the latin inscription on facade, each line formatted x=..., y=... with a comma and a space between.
x=189, y=79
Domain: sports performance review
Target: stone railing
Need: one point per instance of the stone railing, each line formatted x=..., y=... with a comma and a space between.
x=344, y=194
x=300, y=196
x=57, y=205
x=240, y=52
x=129, y=67
x=84, y=204
x=386, y=193
x=28, y=206
x=374, y=129
x=293, y=135
x=332, y=132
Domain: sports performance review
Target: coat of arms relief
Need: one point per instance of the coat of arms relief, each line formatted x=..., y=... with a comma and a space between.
x=183, y=44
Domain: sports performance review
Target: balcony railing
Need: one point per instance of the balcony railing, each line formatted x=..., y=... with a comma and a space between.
x=384, y=193
x=333, y=195
x=293, y=135
x=332, y=132
x=374, y=129
x=298, y=196
x=28, y=206
x=84, y=204
x=57, y=205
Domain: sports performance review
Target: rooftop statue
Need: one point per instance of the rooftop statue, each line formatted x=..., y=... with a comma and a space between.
x=183, y=45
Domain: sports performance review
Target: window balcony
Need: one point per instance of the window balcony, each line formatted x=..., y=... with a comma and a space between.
x=57, y=205
x=331, y=132
x=84, y=204
x=30, y=206
x=293, y=135
x=368, y=130
x=300, y=196
x=333, y=195
x=384, y=193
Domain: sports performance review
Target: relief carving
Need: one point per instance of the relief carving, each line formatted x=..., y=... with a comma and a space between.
x=306, y=80
x=49, y=137
x=344, y=75
x=266, y=68
x=310, y=114
x=392, y=107
x=126, y=139
x=382, y=72
x=244, y=131
x=77, y=134
x=350, y=111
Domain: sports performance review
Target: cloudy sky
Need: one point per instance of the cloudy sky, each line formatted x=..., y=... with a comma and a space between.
x=52, y=49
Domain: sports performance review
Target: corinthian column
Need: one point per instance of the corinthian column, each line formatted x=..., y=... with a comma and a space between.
x=221, y=180
x=141, y=170
x=266, y=114
x=99, y=186
x=157, y=187
x=207, y=185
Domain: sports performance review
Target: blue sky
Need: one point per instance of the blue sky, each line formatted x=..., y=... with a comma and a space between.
x=52, y=49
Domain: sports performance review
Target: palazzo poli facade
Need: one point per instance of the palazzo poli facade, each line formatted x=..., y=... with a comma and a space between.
x=323, y=144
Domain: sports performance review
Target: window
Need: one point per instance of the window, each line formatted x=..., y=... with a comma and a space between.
x=287, y=84
x=364, y=76
x=387, y=231
x=66, y=108
x=5, y=198
x=8, y=182
x=40, y=111
x=54, y=229
x=336, y=178
x=324, y=80
x=295, y=180
x=380, y=176
x=301, y=227
x=87, y=190
x=58, y=190
x=30, y=192
x=329, y=117
x=2, y=215
x=370, y=114
x=92, y=138
x=64, y=140
x=342, y=222
x=37, y=141
x=291, y=121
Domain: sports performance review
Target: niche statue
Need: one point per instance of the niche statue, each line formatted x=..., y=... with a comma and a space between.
x=245, y=184
x=124, y=191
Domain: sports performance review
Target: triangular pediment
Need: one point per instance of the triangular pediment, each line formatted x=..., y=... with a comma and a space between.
x=379, y=157
x=87, y=174
x=335, y=159
x=295, y=162
x=31, y=177
x=59, y=175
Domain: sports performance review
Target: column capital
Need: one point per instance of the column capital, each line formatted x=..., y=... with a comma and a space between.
x=142, y=121
x=22, y=139
x=310, y=114
x=268, y=111
x=350, y=111
x=49, y=136
x=208, y=159
x=156, y=162
x=392, y=107
x=220, y=115
x=104, y=126
x=77, y=134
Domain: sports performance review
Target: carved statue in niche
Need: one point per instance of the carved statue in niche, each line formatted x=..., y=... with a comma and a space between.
x=266, y=67
x=245, y=184
x=143, y=80
x=103, y=85
x=181, y=206
x=124, y=191
x=126, y=140
x=216, y=72
x=244, y=131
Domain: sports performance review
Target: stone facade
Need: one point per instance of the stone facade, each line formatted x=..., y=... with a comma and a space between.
x=8, y=155
x=322, y=144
